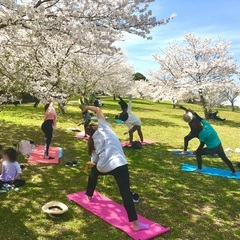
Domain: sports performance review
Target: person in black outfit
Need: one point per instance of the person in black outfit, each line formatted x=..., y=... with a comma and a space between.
x=213, y=115
x=194, y=132
x=123, y=104
x=86, y=116
x=47, y=127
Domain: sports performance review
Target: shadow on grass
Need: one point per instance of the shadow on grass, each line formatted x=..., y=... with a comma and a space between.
x=189, y=198
x=190, y=204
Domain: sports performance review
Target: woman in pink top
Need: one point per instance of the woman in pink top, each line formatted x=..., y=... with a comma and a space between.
x=47, y=127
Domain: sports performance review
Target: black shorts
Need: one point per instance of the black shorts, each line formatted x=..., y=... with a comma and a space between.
x=134, y=129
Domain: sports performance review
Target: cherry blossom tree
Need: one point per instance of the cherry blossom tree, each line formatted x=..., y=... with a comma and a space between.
x=118, y=76
x=214, y=96
x=57, y=46
x=194, y=64
x=94, y=24
x=141, y=89
x=231, y=92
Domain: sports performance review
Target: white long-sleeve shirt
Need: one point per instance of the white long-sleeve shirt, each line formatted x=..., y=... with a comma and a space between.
x=132, y=120
x=108, y=153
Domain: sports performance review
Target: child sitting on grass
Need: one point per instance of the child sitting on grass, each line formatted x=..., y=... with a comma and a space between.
x=11, y=169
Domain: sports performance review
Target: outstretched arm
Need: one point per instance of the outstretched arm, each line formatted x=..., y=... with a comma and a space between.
x=193, y=112
x=97, y=110
x=130, y=104
x=183, y=108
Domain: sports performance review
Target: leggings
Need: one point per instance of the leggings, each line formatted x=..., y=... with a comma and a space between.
x=188, y=138
x=134, y=129
x=211, y=151
x=47, y=128
x=17, y=183
x=123, y=104
x=121, y=176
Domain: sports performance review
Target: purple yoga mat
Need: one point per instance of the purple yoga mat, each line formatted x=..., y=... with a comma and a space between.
x=115, y=214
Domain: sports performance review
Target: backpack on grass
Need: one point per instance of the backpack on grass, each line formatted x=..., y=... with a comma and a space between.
x=136, y=145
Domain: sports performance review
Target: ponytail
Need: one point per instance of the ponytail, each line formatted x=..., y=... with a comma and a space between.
x=90, y=130
x=91, y=147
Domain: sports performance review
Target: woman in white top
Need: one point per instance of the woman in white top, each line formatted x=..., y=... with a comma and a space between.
x=132, y=121
x=108, y=156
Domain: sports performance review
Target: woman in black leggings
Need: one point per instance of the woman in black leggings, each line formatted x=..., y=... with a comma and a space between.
x=109, y=159
x=47, y=127
x=209, y=137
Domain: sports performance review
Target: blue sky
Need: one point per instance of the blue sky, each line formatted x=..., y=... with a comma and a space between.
x=207, y=18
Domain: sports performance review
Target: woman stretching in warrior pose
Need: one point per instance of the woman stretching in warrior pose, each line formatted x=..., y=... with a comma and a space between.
x=109, y=159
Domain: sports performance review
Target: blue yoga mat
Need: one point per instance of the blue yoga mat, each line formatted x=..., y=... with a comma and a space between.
x=211, y=171
x=188, y=154
x=119, y=121
x=191, y=154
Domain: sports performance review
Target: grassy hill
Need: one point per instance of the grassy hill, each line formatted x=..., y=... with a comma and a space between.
x=194, y=206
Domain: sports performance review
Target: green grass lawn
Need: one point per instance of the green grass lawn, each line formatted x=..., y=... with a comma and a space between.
x=194, y=206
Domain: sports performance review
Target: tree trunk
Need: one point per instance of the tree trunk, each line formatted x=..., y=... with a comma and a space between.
x=233, y=107
x=61, y=108
x=114, y=97
x=204, y=104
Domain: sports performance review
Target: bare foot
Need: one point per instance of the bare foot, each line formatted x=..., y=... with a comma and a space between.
x=138, y=226
x=90, y=199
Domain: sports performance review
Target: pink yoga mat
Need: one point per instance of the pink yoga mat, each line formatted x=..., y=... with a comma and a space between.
x=146, y=142
x=38, y=152
x=81, y=135
x=115, y=214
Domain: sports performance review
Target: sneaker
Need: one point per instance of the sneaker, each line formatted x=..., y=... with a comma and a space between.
x=74, y=163
x=197, y=170
x=22, y=166
x=135, y=197
x=69, y=164
x=234, y=174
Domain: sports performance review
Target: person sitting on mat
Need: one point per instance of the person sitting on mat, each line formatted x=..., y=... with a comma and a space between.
x=132, y=121
x=11, y=169
x=86, y=116
x=107, y=154
x=191, y=120
x=208, y=136
x=47, y=127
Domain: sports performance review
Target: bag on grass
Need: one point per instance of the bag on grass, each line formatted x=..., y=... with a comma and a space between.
x=136, y=145
x=25, y=147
